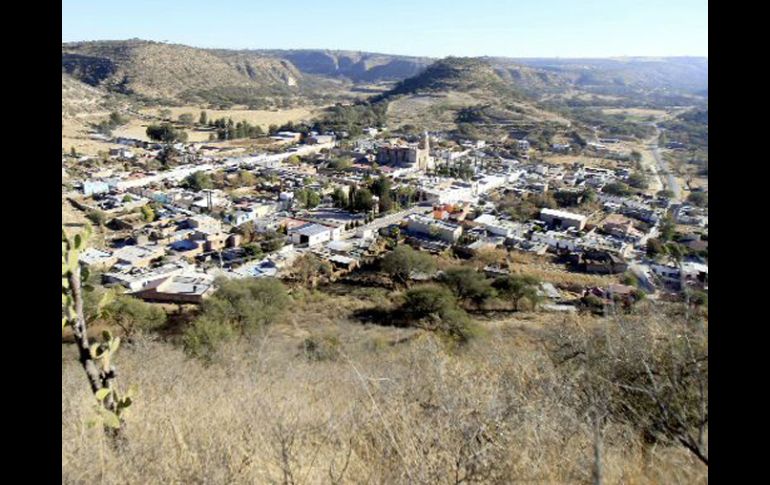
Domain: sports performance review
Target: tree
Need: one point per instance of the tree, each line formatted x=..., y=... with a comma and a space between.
x=246, y=304
x=700, y=199
x=665, y=194
x=246, y=179
x=253, y=250
x=133, y=315
x=203, y=119
x=95, y=358
x=469, y=285
x=198, y=181
x=667, y=228
x=655, y=248
x=380, y=186
x=165, y=133
x=186, y=119
x=638, y=180
x=400, y=263
x=340, y=198
x=617, y=188
x=313, y=199
x=385, y=203
x=518, y=288
x=294, y=160
x=363, y=201
x=73, y=152
x=435, y=308
x=308, y=268
x=148, y=214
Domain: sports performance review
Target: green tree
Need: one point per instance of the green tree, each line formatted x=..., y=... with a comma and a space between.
x=435, y=308
x=205, y=336
x=518, y=288
x=638, y=180
x=133, y=315
x=655, y=248
x=363, y=201
x=386, y=202
x=700, y=199
x=198, y=181
x=380, y=186
x=313, y=199
x=165, y=133
x=667, y=228
x=617, y=188
x=400, y=263
x=340, y=198
x=246, y=304
x=468, y=285
x=203, y=119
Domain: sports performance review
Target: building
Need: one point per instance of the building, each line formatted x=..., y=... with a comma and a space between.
x=97, y=258
x=319, y=139
x=311, y=234
x=602, y=262
x=181, y=288
x=138, y=256
x=427, y=226
x=563, y=219
x=95, y=187
x=415, y=156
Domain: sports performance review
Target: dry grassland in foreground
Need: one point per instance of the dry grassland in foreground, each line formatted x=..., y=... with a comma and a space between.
x=365, y=404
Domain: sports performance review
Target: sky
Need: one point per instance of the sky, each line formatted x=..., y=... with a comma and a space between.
x=432, y=28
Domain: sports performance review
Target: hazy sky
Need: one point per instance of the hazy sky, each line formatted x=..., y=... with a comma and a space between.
x=436, y=28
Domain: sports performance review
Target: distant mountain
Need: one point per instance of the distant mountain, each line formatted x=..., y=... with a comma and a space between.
x=355, y=66
x=618, y=75
x=175, y=73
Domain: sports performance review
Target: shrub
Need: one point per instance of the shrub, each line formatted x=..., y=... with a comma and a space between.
x=435, y=308
x=321, y=348
x=246, y=304
x=400, y=263
x=97, y=217
x=468, y=284
x=202, y=339
x=133, y=315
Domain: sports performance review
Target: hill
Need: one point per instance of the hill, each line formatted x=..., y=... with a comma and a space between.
x=357, y=67
x=78, y=97
x=177, y=73
x=454, y=93
x=623, y=76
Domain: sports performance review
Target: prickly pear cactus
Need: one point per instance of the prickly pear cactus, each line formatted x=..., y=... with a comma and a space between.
x=96, y=358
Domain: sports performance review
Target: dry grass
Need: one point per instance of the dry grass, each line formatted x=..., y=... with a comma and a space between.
x=393, y=406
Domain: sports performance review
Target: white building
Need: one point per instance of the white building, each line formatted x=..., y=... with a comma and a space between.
x=563, y=219
x=427, y=226
x=311, y=234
